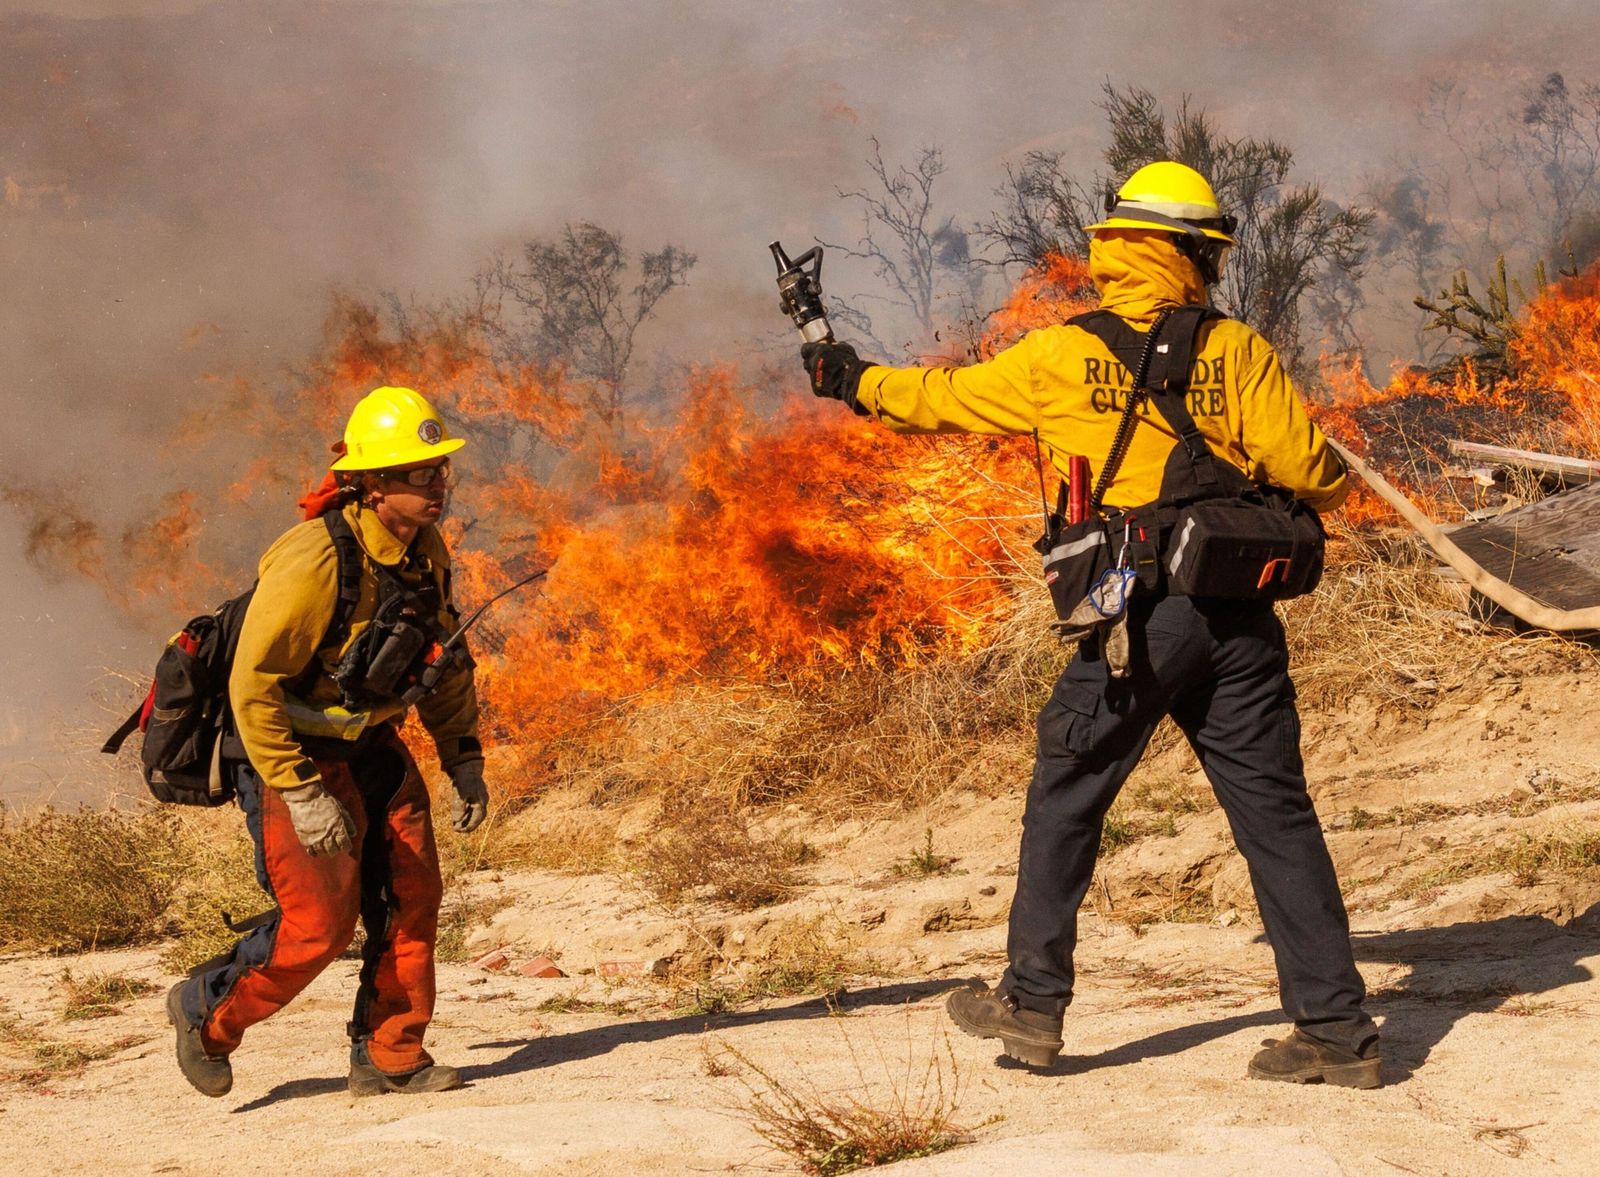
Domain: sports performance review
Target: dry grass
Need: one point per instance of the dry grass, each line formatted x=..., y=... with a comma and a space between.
x=98, y=995
x=72, y=881
x=460, y=915
x=32, y=1058
x=1381, y=623
x=713, y=761
x=1569, y=851
x=220, y=878
x=87, y=878
x=701, y=847
x=908, y=1113
x=520, y=836
x=1181, y=903
x=801, y=957
x=853, y=741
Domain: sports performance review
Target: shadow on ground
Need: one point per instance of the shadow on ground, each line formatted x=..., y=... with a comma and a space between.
x=1502, y=965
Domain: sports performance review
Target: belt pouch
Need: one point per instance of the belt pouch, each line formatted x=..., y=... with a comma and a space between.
x=1245, y=549
x=1076, y=556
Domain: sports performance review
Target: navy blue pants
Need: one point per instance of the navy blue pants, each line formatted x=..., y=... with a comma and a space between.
x=1221, y=670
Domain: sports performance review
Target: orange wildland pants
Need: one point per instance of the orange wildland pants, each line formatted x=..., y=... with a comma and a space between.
x=390, y=878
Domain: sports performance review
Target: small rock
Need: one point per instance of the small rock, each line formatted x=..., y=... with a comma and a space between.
x=621, y=968
x=540, y=966
x=947, y=917
x=985, y=890
x=492, y=961
x=1541, y=779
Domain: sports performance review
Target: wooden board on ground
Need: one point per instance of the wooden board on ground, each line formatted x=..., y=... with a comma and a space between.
x=1549, y=549
x=1557, y=466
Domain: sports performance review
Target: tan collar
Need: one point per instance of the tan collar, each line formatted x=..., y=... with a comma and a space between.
x=376, y=540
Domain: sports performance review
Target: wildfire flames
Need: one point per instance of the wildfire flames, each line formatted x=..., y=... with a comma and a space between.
x=761, y=534
x=1552, y=403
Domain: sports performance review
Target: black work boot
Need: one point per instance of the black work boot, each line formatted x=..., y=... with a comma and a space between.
x=209, y=1074
x=1026, y=1035
x=366, y=1079
x=1299, y=1059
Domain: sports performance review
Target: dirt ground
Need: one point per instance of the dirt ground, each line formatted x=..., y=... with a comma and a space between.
x=1480, y=954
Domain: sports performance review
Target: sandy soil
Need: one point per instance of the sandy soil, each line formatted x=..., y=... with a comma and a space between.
x=1485, y=984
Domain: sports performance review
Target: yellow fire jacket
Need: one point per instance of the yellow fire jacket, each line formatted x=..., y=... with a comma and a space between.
x=281, y=638
x=1064, y=382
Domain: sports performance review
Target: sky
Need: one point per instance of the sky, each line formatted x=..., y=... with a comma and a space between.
x=188, y=181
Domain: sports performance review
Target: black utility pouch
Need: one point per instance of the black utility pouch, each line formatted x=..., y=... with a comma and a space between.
x=393, y=650
x=1265, y=547
x=1076, y=556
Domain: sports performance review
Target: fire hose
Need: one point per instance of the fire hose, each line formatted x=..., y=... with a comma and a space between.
x=1511, y=599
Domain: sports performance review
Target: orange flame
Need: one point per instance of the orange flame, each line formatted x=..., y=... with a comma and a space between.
x=1558, y=348
x=1551, y=400
x=729, y=545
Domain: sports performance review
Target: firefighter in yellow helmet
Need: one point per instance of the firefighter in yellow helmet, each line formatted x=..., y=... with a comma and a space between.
x=346, y=611
x=1219, y=667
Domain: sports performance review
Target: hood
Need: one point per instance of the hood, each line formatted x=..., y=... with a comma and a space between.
x=1138, y=272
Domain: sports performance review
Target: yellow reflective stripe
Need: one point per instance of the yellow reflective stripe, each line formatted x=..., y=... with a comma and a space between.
x=334, y=722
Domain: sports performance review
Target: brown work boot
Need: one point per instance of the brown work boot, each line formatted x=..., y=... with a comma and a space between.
x=1299, y=1059
x=1026, y=1035
x=366, y=1079
x=209, y=1074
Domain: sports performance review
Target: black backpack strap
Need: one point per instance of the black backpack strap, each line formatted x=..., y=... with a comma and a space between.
x=113, y=745
x=1202, y=457
x=1171, y=397
x=1168, y=349
x=348, y=550
x=1111, y=330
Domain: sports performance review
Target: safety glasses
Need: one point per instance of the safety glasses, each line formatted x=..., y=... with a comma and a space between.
x=421, y=477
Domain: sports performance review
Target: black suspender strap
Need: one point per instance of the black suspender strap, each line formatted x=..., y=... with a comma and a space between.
x=1172, y=338
x=348, y=550
x=1136, y=393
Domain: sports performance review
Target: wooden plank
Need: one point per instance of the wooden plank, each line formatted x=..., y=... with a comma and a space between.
x=1549, y=549
x=1568, y=469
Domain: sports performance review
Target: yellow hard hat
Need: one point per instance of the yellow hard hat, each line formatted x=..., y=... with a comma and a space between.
x=394, y=427
x=1170, y=196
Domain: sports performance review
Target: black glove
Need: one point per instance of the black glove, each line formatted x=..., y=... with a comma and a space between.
x=835, y=372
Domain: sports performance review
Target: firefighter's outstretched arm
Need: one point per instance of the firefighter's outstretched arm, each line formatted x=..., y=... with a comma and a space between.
x=995, y=397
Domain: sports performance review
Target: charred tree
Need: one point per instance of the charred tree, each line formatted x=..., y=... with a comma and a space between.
x=912, y=251
x=568, y=302
x=1293, y=240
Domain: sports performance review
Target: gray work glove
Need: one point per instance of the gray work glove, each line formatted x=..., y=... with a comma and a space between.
x=320, y=822
x=471, y=804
